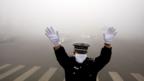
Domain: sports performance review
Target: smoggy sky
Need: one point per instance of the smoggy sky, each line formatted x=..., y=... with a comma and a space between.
x=29, y=18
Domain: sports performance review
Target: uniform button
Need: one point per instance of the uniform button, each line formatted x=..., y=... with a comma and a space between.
x=90, y=75
x=74, y=73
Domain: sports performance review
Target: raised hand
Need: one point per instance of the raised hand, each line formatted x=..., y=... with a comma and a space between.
x=53, y=35
x=109, y=34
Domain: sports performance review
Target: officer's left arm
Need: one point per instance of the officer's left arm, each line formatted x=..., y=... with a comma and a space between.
x=104, y=57
x=106, y=51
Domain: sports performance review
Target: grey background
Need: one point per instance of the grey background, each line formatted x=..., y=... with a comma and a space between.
x=22, y=25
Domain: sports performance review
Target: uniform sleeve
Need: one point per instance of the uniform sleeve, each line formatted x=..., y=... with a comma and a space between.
x=61, y=56
x=104, y=58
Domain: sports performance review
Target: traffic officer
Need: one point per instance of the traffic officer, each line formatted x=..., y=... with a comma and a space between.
x=79, y=67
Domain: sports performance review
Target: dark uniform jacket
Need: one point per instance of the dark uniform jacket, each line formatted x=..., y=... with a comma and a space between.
x=86, y=71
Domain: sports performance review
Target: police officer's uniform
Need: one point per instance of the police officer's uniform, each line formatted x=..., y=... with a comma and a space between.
x=86, y=71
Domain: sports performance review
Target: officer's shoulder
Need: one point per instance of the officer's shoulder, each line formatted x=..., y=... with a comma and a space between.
x=72, y=57
x=90, y=59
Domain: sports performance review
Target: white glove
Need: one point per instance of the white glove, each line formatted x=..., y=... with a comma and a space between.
x=53, y=36
x=109, y=34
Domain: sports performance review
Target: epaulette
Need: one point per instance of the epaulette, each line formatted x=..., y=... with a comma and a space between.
x=90, y=59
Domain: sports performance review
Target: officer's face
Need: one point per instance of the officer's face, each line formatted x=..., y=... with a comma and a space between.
x=77, y=52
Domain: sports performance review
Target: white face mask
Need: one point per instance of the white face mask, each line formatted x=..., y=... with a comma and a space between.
x=80, y=57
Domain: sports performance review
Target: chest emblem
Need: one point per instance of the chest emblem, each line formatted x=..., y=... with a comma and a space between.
x=77, y=68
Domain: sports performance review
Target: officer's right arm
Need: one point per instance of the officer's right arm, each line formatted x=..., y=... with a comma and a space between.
x=61, y=55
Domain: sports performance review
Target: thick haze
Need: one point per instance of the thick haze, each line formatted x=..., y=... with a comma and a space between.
x=29, y=18
x=23, y=24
